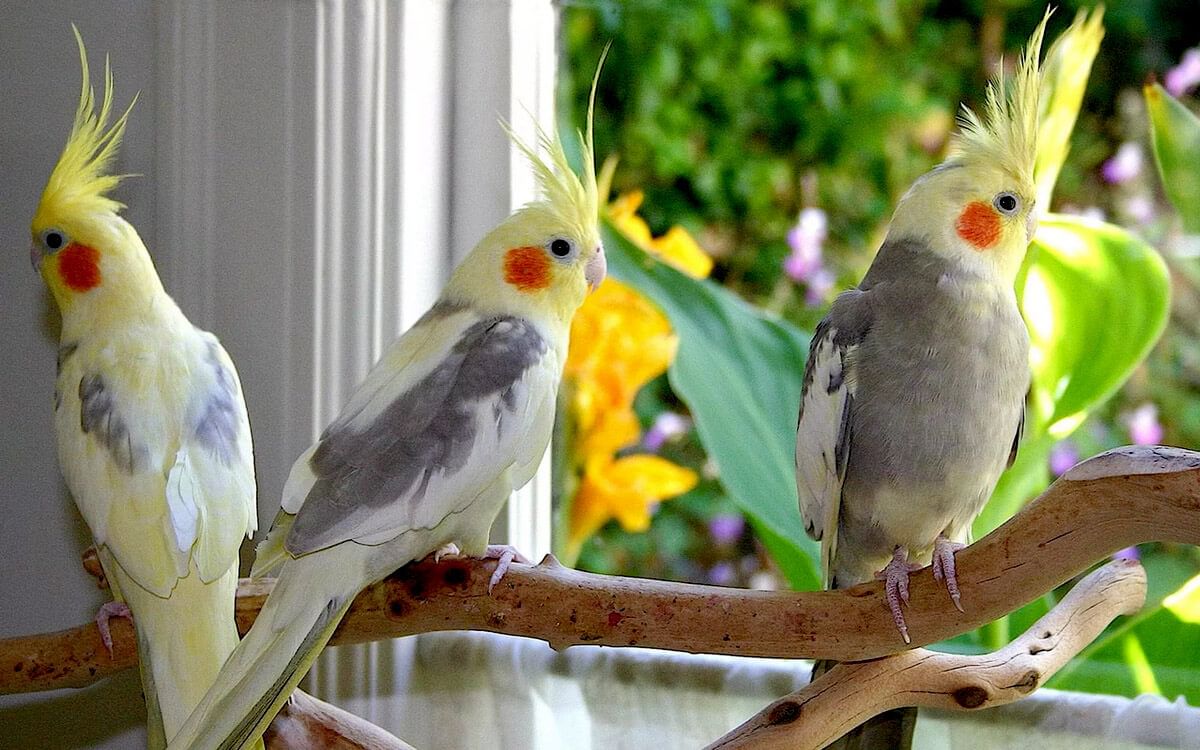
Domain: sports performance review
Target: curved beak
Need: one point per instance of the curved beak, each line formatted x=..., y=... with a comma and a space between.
x=35, y=256
x=1031, y=226
x=596, y=269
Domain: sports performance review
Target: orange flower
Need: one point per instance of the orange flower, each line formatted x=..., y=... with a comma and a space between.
x=624, y=489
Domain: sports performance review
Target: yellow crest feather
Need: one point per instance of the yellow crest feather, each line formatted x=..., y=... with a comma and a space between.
x=1006, y=135
x=80, y=181
x=568, y=197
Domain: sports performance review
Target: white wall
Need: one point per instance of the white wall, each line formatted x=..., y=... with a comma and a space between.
x=309, y=173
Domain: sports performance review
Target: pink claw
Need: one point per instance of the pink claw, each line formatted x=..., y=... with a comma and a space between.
x=943, y=567
x=504, y=555
x=895, y=578
x=108, y=611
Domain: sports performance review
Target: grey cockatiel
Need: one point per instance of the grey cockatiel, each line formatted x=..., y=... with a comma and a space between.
x=913, y=397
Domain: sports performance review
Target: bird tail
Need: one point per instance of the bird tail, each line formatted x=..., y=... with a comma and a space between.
x=890, y=730
x=182, y=642
x=296, y=622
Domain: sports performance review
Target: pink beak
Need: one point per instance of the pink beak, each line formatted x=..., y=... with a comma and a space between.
x=596, y=269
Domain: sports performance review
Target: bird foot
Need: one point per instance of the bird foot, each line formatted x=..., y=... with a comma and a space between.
x=895, y=578
x=449, y=550
x=943, y=567
x=504, y=555
x=108, y=611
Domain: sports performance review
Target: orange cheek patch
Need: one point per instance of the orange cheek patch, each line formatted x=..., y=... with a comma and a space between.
x=79, y=267
x=979, y=225
x=527, y=268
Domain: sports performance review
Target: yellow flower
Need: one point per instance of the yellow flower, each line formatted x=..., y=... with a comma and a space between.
x=679, y=249
x=624, y=489
x=619, y=342
x=676, y=247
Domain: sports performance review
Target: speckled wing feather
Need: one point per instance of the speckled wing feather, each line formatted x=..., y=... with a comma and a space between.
x=824, y=426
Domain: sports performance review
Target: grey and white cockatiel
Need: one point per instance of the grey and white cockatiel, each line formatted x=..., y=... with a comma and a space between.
x=456, y=415
x=913, y=397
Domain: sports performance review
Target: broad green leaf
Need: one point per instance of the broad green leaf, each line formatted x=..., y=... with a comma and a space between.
x=740, y=373
x=1095, y=299
x=1175, y=135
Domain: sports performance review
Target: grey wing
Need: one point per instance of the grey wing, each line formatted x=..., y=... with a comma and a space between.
x=823, y=431
x=426, y=451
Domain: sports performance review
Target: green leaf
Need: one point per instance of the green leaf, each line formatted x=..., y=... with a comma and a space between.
x=740, y=373
x=1175, y=136
x=1095, y=299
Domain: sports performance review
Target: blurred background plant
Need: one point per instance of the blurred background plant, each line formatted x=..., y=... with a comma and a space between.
x=779, y=136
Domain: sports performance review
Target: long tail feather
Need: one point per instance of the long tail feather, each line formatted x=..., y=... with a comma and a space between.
x=183, y=641
x=295, y=624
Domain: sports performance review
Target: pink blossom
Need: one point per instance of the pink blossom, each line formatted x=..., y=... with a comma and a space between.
x=726, y=528
x=1144, y=427
x=1140, y=208
x=806, y=240
x=667, y=426
x=1124, y=165
x=1185, y=75
x=1063, y=456
x=722, y=574
x=819, y=287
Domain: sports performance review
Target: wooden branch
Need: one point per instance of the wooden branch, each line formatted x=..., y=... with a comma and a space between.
x=849, y=694
x=1107, y=503
x=307, y=722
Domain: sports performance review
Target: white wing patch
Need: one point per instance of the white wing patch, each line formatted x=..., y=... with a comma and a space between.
x=823, y=440
x=183, y=510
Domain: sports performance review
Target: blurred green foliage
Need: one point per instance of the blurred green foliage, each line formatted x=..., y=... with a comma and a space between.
x=733, y=116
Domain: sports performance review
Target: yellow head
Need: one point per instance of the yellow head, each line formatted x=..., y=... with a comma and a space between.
x=547, y=254
x=977, y=207
x=82, y=248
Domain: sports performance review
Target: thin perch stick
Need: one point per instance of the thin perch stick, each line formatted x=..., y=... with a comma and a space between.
x=849, y=694
x=1124, y=497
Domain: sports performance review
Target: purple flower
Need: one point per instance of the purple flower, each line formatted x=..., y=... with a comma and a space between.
x=1185, y=75
x=1144, y=427
x=1124, y=165
x=722, y=574
x=1063, y=456
x=1140, y=208
x=818, y=287
x=667, y=426
x=806, y=240
x=726, y=528
x=1129, y=553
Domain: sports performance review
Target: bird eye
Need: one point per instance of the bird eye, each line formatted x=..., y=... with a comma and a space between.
x=1006, y=203
x=561, y=248
x=53, y=239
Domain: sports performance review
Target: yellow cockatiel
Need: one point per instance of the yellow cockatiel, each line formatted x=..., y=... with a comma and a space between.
x=152, y=432
x=455, y=415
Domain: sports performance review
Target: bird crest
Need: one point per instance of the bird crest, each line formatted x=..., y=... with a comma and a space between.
x=572, y=201
x=80, y=181
x=1006, y=134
